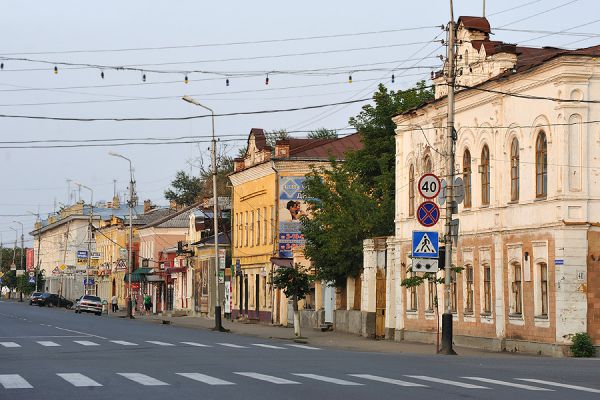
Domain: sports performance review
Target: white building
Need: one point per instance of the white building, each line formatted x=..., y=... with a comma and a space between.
x=528, y=150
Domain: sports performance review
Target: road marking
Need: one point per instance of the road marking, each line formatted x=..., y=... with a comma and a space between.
x=302, y=346
x=48, y=343
x=330, y=380
x=86, y=343
x=235, y=346
x=123, y=343
x=81, y=333
x=446, y=382
x=558, y=384
x=14, y=381
x=503, y=383
x=268, y=378
x=268, y=346
x=204, y=378
x=79, y=380
x=196, y=344
x=387, y=380
x=159, y=343
x=9, y=344
x=142, y=379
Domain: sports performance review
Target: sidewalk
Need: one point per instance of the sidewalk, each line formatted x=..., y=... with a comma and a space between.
x=312, y=337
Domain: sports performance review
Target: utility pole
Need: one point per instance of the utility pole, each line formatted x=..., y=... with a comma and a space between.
x=89, y=241
x=450, y=150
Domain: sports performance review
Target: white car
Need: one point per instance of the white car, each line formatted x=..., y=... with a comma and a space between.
x=89, y=303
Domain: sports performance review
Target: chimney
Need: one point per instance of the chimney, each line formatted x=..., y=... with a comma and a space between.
x=173, y=205
x=147, y=206
x=282, y=150
x=116, y=202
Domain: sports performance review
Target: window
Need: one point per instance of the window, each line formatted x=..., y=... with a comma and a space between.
x=514, y=170
x=453, y=293
x=237, y=230
x=485, y=175
x=258, y=236
x=467, y=177
x=487, y=289
x=427, y=167
x=251, y=228
x=264, y=225
x=470, y=293
x=411, y=190
x=272, y=227
x=413, y=294
x=246, y=229
x=517, y=288
x=544, y=289
x=541, y=166
x=432, y=294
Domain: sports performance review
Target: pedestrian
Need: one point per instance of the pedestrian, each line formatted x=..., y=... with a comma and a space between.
x=133, y=305
x=113, y=301
x=147, y=304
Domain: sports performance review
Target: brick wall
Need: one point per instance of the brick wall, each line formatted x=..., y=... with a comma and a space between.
x=593, y=286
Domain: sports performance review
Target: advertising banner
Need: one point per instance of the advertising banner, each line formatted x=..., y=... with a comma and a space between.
x=29, y=263
x=291, y=207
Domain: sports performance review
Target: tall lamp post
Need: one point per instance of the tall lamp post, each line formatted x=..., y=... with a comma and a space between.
x=14, y=248
x=21, y=261
x=39, y=244
x=132, y=203
x=218, y=323
x=89, y=246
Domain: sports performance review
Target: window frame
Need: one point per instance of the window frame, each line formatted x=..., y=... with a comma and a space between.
x=467, y=178
x=411, y=190
x=485, y=175
x=514, y=170
x=541, y=165
x=487, y=289
x=469, y=289
x=543, y=267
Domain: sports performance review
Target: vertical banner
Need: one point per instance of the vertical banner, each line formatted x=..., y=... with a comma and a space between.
x=291, y=207
x=29, y=263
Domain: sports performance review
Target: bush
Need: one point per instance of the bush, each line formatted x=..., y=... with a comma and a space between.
x=582, y=345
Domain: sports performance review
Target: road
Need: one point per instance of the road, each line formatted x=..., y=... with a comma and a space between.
x=50, y=353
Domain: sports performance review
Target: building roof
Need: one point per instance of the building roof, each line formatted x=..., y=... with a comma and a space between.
x=152, y=216
x=224, y=239
x=480, y=24
x=174, y=219
x=323, y=148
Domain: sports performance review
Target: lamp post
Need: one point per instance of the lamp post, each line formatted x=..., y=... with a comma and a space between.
x=218, y=324
x=14, y=249
x=132, y=203
x=89, y=246
x=21, y=260
x=39, y=244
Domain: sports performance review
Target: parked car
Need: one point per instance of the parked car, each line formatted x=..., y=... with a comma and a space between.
x=34, y=295
x=51, y=300
x=89, y=303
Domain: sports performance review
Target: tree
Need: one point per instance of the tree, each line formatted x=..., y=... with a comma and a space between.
x=295, y=284
x=185, y=189
x=322, y=133
x=354, y=200
x=24, y=287
x=275, y=135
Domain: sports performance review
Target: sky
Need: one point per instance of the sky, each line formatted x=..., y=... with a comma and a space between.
x=308, y=50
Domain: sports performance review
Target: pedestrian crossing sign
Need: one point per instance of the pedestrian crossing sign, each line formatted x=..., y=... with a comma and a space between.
x=425, y=244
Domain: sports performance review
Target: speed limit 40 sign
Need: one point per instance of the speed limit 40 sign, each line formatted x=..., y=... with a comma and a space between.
x=429, y=186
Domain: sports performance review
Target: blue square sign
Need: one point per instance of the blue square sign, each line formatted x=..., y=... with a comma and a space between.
x=425, y=244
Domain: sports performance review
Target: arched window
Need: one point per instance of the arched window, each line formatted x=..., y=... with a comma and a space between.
x=427, y=167
x=467, y=177
x=411, y=190
x=485, y=175
x=514, y=170
x=541, y=166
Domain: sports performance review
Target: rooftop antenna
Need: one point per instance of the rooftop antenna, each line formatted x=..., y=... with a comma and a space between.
x=68, y=191
x=483, y=8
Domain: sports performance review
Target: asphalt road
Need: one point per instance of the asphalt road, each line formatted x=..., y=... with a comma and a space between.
x=57, y=354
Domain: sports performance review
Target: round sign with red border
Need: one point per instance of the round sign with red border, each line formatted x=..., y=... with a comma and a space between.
x=428, y=213
x=429, y=186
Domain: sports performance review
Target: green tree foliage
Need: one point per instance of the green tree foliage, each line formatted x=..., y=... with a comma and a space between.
x=322, y=133
x=23, y=286
x=354, y=200
x=582, y=345
x=294, y=282
x=275, y=135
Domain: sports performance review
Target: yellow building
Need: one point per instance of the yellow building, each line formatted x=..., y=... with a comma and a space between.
x=267, y=201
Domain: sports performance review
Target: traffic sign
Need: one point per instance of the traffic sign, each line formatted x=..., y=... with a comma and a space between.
x=442, y=193
x=425, y=265
x=425, y=244
x=458, y=194
x=31, y=274
x=31, y=280
x=429, y=186
x=428, y=214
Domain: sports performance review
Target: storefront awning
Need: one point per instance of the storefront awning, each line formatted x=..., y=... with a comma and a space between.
x=137, y=274
x=282, y=262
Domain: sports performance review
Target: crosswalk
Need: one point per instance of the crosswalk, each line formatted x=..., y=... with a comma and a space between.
x=416, y=382
x=90, y=343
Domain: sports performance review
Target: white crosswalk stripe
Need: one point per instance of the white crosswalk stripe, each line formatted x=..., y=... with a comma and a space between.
x=210, y=380
x=268, y=378
x=142, y=379
x=387, y=380
x=157, y=342
x=446, y=382
x=14, y=381
x=123, y=343
x=558, y=384
x=9, y=344
x=329, y=379
x=196, y=344
x=86, y=343
x=504, y=383
x=48, y=343
x=302, y=346
x=268, y=346
x=79, y=380
x=235, y=346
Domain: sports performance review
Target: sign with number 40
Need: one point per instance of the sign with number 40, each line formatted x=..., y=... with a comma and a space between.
x=429, y=186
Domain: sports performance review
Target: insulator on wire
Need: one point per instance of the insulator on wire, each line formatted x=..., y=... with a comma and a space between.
x=349, y=78
x=144, y=78
x=267, y=80
x=1, y=65
x=186, y=80
x=55, y=69
x=393, y=78
x=227, y=82
x=102, y=74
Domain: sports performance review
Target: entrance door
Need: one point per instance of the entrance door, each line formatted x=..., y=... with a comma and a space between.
x=380, y=305
x=240, y=279
x=328, y=299
x=246, y=295
x=257, y=295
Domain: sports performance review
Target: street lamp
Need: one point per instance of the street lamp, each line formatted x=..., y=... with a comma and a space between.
x=39, y=244
x=89, y=247
x=21, y=261
x=132, y=201
x=218, y=325
x=14, y=248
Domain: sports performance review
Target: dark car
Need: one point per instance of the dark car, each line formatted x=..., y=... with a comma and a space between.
x=51, y=300
x=33, y=296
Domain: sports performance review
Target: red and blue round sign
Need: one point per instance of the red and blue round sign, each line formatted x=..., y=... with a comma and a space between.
x=428, y=213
